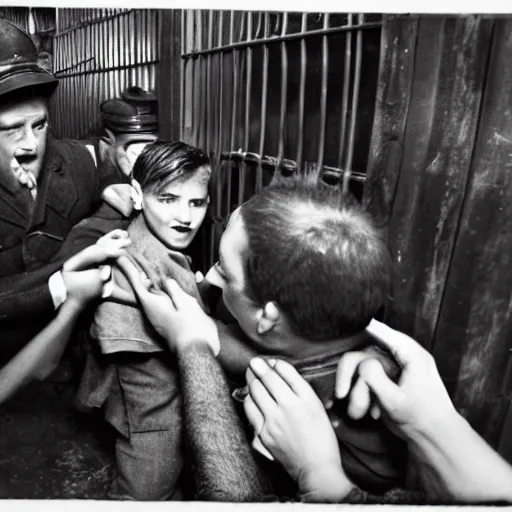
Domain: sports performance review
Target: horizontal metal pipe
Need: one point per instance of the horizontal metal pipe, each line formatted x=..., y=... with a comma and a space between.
x=289, y=165
x=278, y=39
x=113, y=68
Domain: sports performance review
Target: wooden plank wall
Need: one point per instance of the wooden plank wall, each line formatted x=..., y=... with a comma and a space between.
x=439, y=179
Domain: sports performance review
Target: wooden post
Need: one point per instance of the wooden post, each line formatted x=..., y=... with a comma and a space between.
x=169, y=77
x=427, y=109
x=474, y=333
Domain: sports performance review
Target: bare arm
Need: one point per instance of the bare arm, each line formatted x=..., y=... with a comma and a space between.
x=460, y=464
x=220, y=457
x=41, y=356
x=84, y=281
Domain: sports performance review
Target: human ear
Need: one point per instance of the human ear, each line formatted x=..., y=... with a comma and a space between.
x=267, y=317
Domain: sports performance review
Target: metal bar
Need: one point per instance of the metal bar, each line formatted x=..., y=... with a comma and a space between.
x=74, y=66
x=263, y=116
x=210, y=98
x=198, y=32
x=323, y=98
x=278, y=39
x=234, y=104
x=183, y=71
x=192, y=33
x=220, y=128
x=209, y=92
x=248, y=57
x=284, y=88
x=113, y=68
x=97, y=19
x=355, y=99
x=302, y=90
x=272, y=162
x=346, y=87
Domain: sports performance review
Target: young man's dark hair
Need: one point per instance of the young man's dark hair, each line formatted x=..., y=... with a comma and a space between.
x=160, y=159
x=317, y=254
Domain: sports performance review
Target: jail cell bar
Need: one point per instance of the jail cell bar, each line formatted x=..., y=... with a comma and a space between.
x=97, y=54
x=209, y=120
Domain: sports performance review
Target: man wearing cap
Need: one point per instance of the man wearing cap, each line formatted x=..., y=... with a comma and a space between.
x=46, y=187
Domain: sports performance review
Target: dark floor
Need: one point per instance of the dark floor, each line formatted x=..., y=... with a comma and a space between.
x=48, y=450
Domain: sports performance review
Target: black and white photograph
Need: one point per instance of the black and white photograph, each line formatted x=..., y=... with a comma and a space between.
x=255, y=256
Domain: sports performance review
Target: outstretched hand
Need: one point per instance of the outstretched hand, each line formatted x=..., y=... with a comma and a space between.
x=417, y=399
x=291, y=422
x=174, y=314
x=86, y=274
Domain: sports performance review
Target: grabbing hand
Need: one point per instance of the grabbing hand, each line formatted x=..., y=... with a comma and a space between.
x=291, y=422
x=84, y=275
x=174, y=314
x=419, y=398
x=360, y=399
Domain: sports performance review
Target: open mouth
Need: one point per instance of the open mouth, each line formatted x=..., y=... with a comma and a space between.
x=25, y=159
x=182, y=229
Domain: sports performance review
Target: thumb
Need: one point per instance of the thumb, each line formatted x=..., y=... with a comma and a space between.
x=133, y=275
x=175, y=292
x=387, y=392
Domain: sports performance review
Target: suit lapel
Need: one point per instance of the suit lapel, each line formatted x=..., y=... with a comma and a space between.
x=10, y=212
x=57, y=190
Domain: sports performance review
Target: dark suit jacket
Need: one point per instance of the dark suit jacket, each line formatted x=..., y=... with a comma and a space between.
x=69, y=191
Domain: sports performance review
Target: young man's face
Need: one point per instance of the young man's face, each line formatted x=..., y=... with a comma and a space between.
x=176, y=213
x=229, y=275
x=23, y=132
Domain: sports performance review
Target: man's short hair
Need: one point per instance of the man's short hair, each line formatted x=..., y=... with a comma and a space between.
x=160, y=163
x=317, y=254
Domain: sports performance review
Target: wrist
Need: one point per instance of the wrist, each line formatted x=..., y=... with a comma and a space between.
x=325, y=485
x=192, y=344
x=71, y=308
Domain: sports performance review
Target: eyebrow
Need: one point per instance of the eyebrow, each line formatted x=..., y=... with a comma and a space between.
x=21, y=124
x=168, y=194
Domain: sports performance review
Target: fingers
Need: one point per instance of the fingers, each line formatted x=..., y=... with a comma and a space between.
x=91, y=256
x=260, y=394
x=359, y=401
x=133, y=275
x=271, y=380
x=253, y=414
x=404, y=349
x=345, y=373
x=292, y=377
x=116, y=234
x=122, y=296
x=146, y=267
x=179, y=297
x=387, y=392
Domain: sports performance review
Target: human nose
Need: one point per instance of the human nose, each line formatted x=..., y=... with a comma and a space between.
x=28, y=140
x=183, y=214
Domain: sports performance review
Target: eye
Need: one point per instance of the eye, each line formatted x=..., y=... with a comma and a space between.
x=167, y=199
x=13, y=132
x=198, y=203
x=41, y=125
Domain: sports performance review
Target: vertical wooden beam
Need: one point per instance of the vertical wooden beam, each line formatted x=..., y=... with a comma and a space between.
x=473, y=338
x=427, y=171
x=169, y=74
x=397, y=50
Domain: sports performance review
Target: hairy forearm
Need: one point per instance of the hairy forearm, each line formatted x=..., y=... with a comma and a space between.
x=221, y=459
x=41, y=355
x=462, y=466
